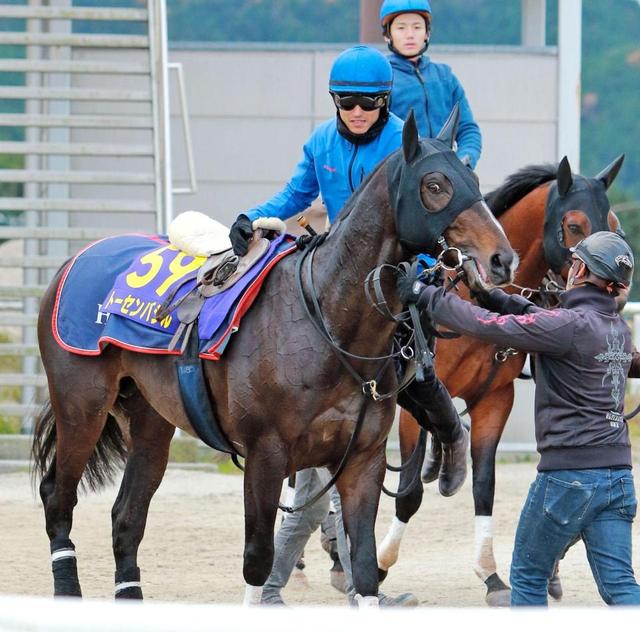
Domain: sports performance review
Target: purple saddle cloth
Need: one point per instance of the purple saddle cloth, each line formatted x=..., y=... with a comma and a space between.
x=110, y=291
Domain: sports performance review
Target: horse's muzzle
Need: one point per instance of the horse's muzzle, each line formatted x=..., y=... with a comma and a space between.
x=502, y=264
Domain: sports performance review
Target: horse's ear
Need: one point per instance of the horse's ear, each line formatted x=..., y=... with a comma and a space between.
x=565, y=179
x=410, y=138
x=608, y=174
x=450, y=128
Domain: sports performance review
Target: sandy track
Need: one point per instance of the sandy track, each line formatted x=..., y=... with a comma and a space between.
x=192, y=551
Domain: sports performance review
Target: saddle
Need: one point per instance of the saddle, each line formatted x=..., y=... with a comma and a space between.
x=199, y=235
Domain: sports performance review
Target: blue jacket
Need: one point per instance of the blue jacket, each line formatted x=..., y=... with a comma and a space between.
x=432, y=90
x=331, y=166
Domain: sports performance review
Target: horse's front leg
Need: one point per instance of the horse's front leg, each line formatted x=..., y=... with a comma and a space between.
x=488, y=418
x=359, y=486
x=408, y=504
x=150, y=439
x=265, y=469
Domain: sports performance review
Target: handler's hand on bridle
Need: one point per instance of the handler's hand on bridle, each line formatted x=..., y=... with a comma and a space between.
x=409, y=288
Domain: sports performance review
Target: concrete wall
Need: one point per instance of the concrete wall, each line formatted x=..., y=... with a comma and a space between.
x=252, y=109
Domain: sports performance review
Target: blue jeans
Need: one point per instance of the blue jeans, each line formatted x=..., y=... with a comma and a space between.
x=596, y=505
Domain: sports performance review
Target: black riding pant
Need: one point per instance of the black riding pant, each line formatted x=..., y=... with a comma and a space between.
x=430, y=403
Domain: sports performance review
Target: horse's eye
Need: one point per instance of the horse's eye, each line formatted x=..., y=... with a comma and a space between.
x=574, y=228
x=434, y=188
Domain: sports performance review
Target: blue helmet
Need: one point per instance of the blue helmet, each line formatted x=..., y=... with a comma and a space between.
x=392, y=8
x=361, y=69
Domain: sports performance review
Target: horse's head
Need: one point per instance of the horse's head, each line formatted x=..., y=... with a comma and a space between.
x=435, y=197
x=576, y=207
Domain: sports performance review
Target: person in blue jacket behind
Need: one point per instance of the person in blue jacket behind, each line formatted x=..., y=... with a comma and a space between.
x=430, y=89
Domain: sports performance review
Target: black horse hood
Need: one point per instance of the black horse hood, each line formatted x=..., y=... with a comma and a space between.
x=573, y=192
x=419, y=228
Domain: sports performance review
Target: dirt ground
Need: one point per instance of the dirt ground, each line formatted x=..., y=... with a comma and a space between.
x=192, y=550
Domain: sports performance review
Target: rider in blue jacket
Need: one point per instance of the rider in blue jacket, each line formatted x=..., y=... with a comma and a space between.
x=430, y=89
x=337, y=157
x=343, y=150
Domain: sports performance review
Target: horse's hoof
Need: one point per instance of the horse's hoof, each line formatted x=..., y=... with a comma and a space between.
x=555, y=588
x=133, y=592
x=382, y=575
x=498, y=593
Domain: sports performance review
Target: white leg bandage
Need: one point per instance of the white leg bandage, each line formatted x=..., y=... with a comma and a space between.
x=252, y=595
x=390, y=547
x=61, y=554
x=124, y=585
x=484, y=561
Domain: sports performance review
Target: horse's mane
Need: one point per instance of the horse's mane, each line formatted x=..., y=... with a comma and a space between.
x=519, y=184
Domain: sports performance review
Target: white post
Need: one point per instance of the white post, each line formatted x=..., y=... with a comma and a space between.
x=166, y=119
x=158, y=50
x=533, y=26
x=569, y=92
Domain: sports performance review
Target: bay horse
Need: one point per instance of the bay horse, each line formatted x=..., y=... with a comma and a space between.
x=544, y=210
x=291, y=385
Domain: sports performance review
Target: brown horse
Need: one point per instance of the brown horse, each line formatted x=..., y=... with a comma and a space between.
x=289, y=388
x=544, y=210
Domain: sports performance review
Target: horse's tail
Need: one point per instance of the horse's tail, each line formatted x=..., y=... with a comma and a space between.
x=108, y=455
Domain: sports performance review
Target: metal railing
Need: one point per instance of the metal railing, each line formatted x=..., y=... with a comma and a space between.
x=93, y=139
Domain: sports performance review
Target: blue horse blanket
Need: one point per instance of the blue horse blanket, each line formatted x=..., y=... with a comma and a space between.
x=110, y=291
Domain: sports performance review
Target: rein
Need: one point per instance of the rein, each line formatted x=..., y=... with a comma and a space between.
x=314, y=313
x=417, y=455
x=343, y=462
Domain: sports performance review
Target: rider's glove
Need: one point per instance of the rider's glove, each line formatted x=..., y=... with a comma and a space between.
x=240, y=235
x=502, y=303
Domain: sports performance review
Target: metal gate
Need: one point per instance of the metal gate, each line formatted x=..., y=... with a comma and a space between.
x=84, y=136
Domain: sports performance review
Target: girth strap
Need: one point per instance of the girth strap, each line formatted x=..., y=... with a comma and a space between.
x=195, y=398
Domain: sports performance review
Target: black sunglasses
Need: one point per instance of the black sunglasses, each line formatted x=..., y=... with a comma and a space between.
x=367, y=103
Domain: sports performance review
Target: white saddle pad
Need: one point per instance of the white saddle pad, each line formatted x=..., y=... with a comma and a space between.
x=198, y=234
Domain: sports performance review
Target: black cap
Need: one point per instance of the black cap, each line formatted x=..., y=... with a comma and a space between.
x=608, y=256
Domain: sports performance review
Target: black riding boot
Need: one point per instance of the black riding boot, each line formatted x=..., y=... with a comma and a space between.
x=432, y=461
x=444, y=422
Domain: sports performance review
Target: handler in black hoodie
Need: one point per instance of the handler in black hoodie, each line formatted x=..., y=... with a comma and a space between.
x=584, y=353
